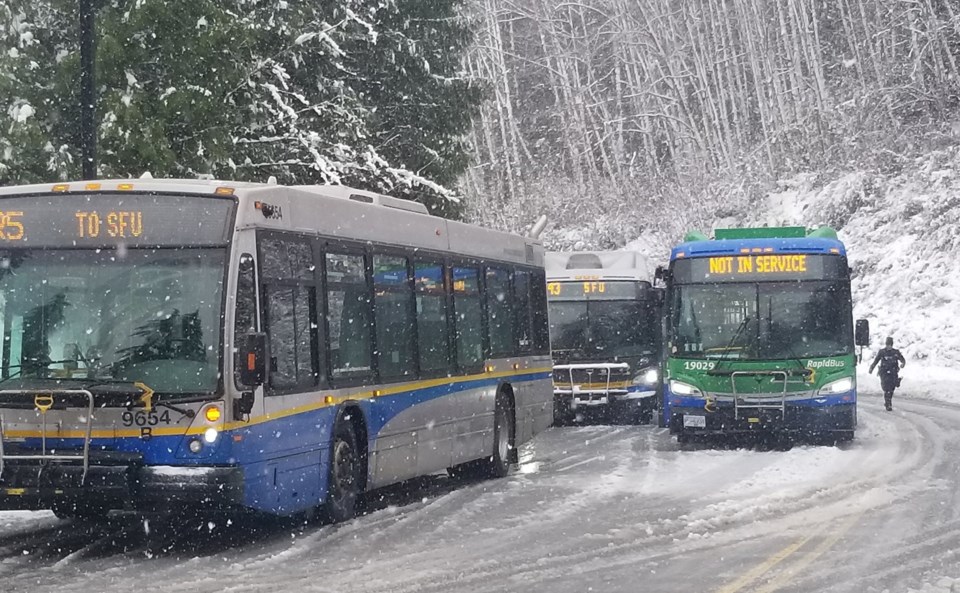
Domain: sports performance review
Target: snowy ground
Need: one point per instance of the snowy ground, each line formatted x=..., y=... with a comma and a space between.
x=593, y=508
x=920, y=381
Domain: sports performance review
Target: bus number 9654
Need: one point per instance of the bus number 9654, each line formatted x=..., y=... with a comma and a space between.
x=141, y=418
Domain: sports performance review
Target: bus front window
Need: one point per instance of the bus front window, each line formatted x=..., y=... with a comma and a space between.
x=767, y=321
x=148, y=315
x=612, y=328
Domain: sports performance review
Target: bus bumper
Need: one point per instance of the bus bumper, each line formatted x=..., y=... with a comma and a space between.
x=794, y=419
x=613, y=403
x=119, y=487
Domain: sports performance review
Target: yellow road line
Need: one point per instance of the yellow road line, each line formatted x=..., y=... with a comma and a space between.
x=748, y=580
x=792, y=571
x=758, y=571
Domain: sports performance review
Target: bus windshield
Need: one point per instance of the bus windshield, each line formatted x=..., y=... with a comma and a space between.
x=148, y=315
x=614, y=329
x=762, y=321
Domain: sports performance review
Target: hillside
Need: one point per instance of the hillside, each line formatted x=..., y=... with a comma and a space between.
x=902, y=230
x=902, y=234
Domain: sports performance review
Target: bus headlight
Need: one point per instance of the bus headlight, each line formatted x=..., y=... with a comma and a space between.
x=681, y=388
x=210, y=435
x=839, y=386
x=648, y=377
x=195, y=446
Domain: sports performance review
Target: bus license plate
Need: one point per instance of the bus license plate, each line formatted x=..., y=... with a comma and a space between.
x=695, y=421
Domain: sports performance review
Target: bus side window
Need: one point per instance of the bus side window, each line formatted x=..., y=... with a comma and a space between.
x=521, y=304
x=468, y=317
x=499, y=313
x=349, y=316
x=245, y=317
x=393, y=309
x=538, y=300
x=289, y=294
x=432, y=327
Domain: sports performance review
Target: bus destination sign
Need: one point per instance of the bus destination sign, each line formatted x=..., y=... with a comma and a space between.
x=759, y=264
x=83, y=220
x=759, y=268
x=593, y=290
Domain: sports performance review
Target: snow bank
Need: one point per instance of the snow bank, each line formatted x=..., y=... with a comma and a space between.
x=940, y=585
x=903, y=236
x=902, y=231
x=25, y=521
x=920, y=381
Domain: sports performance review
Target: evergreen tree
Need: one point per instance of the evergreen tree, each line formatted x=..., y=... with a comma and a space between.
x=38, y=101
x=243, y=89
x=424, y=103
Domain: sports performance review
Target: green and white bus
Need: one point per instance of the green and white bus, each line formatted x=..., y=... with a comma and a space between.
x=760, y=334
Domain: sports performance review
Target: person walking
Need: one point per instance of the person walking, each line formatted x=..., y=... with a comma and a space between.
x=890, y=361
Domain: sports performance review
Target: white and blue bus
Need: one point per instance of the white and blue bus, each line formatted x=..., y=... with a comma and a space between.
x=281, y=349
x=604, y=333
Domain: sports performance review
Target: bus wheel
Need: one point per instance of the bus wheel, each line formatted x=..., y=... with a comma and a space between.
x=563, y=413
x=843, y=436
x=343, y=484
x=645, y=416
x=498, y=464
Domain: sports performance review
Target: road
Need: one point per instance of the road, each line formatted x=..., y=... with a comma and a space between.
x=594, y=508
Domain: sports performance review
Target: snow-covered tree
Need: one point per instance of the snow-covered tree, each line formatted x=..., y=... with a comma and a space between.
x=38, y=133
x=413, y=75
x=242, y=89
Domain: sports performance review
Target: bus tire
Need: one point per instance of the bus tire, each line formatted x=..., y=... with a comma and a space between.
x=645, y=416
x=344, y=480
x=843, y=436
x=563, y=414
x=498, y=464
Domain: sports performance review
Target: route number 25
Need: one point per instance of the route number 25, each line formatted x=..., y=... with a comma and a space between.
x=11, y=228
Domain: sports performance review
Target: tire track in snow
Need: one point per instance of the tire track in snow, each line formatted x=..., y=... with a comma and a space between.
x=806, y=503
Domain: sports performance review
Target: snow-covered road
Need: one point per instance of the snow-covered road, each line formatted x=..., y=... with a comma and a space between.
x=593, y=508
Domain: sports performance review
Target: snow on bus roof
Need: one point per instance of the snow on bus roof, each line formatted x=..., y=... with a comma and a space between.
x=606, y=264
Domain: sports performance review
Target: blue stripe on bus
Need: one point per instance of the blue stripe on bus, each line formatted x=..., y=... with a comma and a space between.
x=301, y=432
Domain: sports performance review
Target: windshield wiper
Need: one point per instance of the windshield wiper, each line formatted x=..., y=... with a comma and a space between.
x=740, y=328
x=788, y=345
x=92, y=382
x=11, y=377
x=39, y=366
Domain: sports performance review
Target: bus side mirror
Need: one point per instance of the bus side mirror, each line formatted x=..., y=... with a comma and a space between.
x=861, y=335
x=660, y=274
x=253, y=359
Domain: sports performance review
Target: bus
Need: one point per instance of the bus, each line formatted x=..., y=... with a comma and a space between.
x=182, y=343
x=604, y=333
x=760, y=335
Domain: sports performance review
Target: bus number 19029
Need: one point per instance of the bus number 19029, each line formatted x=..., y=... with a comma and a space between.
x=699, y=365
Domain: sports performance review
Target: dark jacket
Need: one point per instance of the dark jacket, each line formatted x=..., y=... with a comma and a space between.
x=890, y=361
